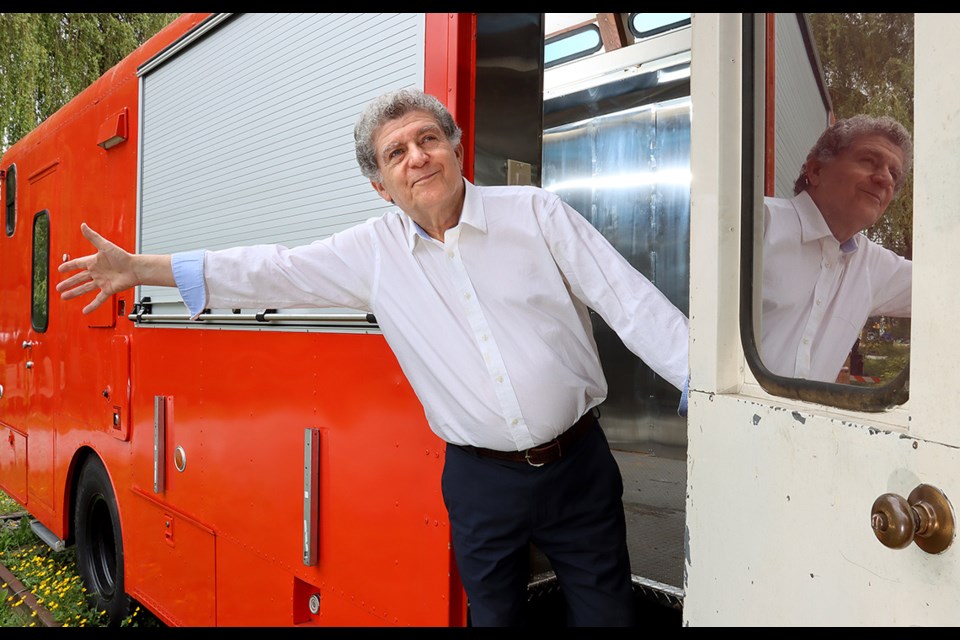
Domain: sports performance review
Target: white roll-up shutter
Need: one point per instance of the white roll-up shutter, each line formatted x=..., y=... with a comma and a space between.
x=247, y=132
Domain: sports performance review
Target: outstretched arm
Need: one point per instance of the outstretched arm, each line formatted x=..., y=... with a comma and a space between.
x=111, y=270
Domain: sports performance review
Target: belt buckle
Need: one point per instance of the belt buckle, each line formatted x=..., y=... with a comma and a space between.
x=526, y=454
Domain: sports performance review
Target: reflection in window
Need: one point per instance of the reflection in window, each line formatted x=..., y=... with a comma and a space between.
x=644, y=25
x=39, y=311
x=571, y=45
x=11, y=199
x=821, y=275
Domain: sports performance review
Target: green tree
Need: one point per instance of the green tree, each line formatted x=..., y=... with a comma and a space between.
x=48, y=58
x=867, y=61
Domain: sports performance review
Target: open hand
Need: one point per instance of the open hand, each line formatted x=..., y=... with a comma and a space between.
x=108, y=271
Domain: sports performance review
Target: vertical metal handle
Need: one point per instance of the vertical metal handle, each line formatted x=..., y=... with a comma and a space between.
x=311, y=496
x=159, y=440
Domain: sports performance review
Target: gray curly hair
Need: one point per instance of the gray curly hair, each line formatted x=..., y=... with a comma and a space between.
x=390, y=106
x=843, y=133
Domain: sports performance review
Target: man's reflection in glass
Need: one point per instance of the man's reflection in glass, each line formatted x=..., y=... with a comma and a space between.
x=822, y=278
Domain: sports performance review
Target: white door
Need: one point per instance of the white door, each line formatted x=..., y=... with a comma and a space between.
x=781, y=490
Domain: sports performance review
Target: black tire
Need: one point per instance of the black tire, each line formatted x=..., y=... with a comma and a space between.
x=99, y=543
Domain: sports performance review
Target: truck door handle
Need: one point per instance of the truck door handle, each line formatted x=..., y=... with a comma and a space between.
x=925, y=517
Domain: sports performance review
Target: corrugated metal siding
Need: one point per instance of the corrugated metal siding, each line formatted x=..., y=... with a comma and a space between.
x=801, y=115
x=247, y=135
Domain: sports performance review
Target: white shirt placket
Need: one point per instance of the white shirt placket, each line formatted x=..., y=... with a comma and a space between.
x=827, y=283
x=496, y=369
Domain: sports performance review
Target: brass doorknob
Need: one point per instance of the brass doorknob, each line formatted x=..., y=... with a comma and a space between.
x=925, y=517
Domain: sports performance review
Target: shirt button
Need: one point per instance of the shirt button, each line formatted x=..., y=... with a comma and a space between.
x=499, y=378
x=514, y=422
x=466, y=296
x=806, y=341
x=819, y=301
x=449, y=254
x=484, y=337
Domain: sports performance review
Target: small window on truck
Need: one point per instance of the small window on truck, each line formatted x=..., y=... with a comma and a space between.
x=572, y=45
x=10, y=197
x=40, y=298
x=787, y=105
x=646, y=25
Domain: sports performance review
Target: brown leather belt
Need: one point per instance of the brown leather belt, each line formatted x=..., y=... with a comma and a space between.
x=546, y=452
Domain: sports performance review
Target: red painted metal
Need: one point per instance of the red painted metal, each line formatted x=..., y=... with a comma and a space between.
x=770, y=88
x=222, y=543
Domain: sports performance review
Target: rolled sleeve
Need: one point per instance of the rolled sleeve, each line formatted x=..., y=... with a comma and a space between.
x=188, y=274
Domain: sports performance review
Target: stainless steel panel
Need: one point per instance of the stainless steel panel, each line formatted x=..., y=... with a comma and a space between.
x=628, y=173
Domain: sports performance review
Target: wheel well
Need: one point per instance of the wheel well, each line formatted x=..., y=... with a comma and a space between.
x=80, y=458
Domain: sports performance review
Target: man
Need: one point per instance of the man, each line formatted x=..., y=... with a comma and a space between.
x=822, y=278
x=483, y=295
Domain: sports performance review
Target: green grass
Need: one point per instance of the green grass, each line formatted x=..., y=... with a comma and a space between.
x=885, y=360
x=52, y=578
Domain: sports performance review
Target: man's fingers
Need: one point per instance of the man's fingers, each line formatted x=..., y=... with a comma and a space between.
x=86, y=261
x=82, y=283
x=100, y=299
x=78, y=291
x=73, y=281
x=95, y=238
x=73, y=265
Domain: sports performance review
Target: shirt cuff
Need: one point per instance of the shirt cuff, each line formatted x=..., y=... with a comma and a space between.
x=682, y=409
x=188, y=274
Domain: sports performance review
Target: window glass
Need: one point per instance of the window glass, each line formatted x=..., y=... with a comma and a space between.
x=41, y=272
x=644, y=25
x=11, y=199
x=572, y=45
x=832, y=221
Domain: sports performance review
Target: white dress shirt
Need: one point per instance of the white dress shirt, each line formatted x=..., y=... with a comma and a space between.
x=817, y=293
x=491, y=326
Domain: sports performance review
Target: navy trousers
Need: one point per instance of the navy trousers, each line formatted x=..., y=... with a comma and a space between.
x=571, y=509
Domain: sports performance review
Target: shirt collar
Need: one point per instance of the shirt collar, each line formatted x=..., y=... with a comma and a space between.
x=813, y=226
x=471, y=215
